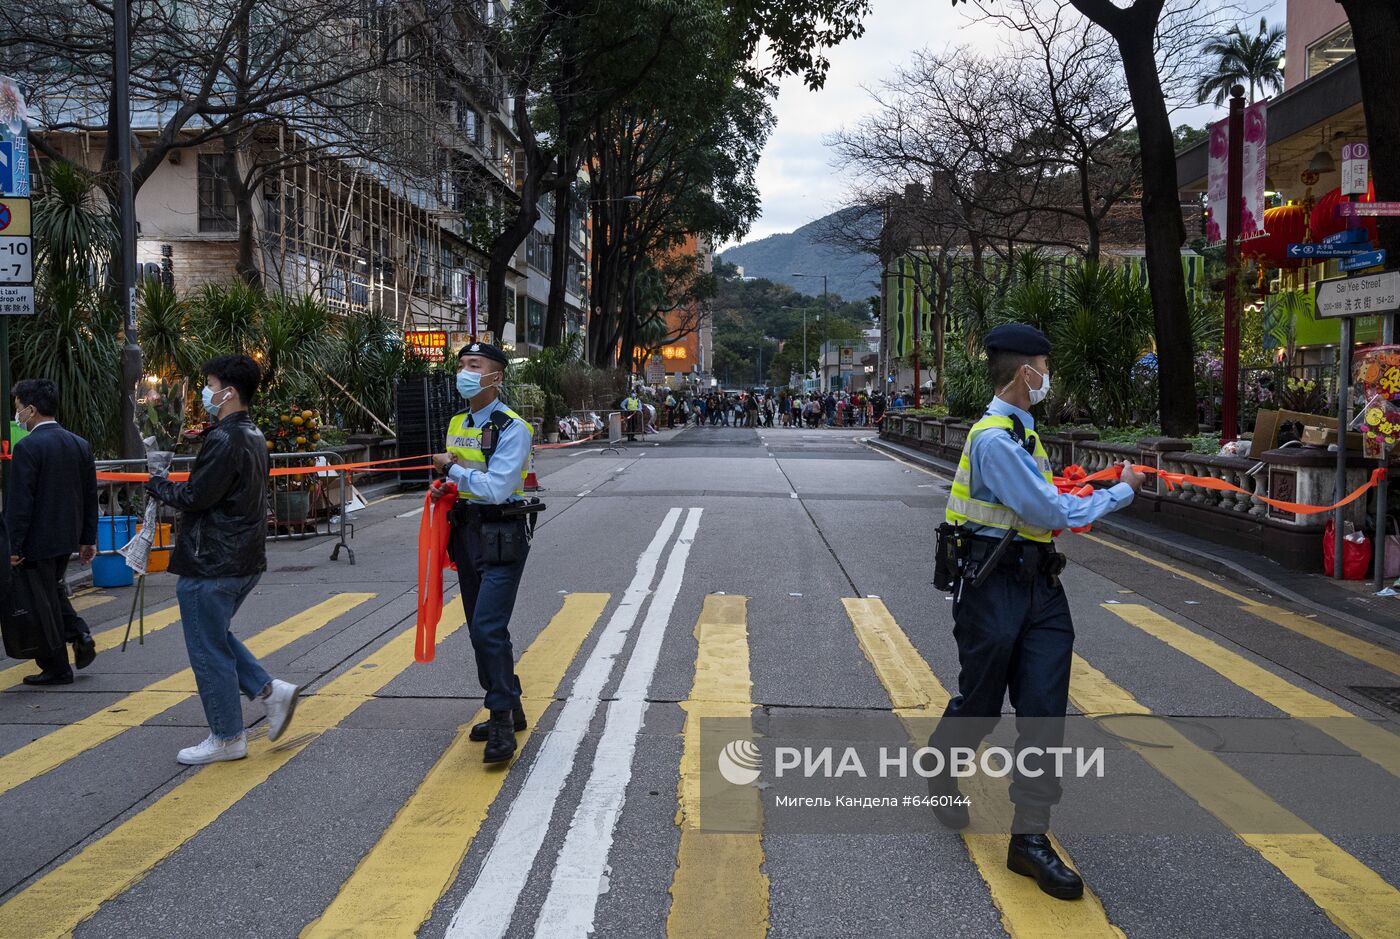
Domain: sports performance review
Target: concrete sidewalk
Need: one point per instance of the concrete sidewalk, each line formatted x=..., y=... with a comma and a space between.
x=1351, y=600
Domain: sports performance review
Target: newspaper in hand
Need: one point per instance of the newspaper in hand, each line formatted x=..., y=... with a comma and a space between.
x=137, y=552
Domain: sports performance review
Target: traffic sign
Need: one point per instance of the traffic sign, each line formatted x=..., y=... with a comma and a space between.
x=1359, y=262
x=1368, y=208
x=1356, y=169
x=14, y=217
x=1359, y=295
x=16, y=260
x=1311, y=250
x=14, y=165
x=16, y=301
x=1349, y=236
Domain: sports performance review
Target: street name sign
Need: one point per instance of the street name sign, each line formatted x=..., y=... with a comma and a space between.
x=1349, y=236
x=16, y=301
x=1368, y=208
x=1359, y=262
x=1311, y=250
x=1359, y=295
x=1356, y=168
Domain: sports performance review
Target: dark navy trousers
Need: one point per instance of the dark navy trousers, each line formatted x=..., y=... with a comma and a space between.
x=488, y=597
x=1014, y=635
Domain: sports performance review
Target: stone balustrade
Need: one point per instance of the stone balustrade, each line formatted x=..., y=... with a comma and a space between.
x=1238, y=519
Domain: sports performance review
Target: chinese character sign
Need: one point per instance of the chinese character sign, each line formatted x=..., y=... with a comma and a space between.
x=1356, y=168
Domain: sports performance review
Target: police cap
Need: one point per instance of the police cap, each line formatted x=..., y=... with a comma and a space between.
x=485, y=350
x=1017, y=338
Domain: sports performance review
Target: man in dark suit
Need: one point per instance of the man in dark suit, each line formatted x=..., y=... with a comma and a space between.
x=51, y=511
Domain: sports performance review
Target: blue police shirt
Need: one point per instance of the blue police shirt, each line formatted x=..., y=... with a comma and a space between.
x=498, y=482
x=1003, y=472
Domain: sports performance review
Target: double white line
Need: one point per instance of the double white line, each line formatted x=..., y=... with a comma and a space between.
x=580, y=868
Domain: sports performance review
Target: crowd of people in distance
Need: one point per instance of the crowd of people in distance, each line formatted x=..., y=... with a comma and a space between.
x=759, y=407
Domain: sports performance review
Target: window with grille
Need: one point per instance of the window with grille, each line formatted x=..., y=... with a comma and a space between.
x=216, y=209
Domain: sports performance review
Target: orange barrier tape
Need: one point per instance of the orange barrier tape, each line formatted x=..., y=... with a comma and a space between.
x=433, y=534
x=368, y=466
x=1074, y=478
x=570, y=443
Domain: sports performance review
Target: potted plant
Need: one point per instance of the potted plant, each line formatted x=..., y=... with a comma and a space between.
x=290, y=428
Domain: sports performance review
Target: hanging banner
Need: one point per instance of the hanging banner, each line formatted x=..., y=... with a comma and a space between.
x=471, y=304
x=901, y=312
x=1253, y=174
x=1255, y=170
x=14, y=140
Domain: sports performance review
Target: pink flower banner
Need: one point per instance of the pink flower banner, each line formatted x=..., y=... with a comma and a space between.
x=1255, y=172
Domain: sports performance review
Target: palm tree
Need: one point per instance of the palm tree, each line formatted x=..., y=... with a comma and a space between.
x=1243, y=60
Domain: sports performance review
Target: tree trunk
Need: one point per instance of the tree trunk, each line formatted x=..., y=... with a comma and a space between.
x=1164, y=233
x=509, y=239
x=1375, y=24
x=559, y=254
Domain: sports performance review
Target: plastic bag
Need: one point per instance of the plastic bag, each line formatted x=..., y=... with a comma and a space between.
x=1356, y=553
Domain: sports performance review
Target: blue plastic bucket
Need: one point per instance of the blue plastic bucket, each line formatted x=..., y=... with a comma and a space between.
x=113, y=532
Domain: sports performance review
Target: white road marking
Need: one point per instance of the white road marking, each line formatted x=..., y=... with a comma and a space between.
x=581, y=870
x=488, y=906
x=584, y=493
x=792, y=495
x=417, y=511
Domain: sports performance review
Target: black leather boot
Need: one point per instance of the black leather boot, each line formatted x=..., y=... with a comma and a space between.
x=946, y=808
x=500, y=738
x=1034, y=856
x=517, y=713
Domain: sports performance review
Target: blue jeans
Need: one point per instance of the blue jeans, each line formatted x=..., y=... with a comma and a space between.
x=488, y=597
x=222, y=665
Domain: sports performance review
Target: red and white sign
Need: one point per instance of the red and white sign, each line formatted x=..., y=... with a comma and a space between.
x=471, y=303
x=1356, y=168
x=430, y=344
x=1254, y=168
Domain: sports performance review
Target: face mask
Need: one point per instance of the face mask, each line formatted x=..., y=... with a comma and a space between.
x=18, y=420
x=206, y=397
x=1039, y=394
x=469, y=383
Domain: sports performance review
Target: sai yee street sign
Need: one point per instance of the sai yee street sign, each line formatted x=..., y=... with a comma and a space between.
x=1359, y=295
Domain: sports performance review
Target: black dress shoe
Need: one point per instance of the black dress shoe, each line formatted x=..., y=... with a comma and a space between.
x=500, y=738
x=1034, y=856
x=48, y=678
x=84, y=651
x=949, y=807
x=479, y=733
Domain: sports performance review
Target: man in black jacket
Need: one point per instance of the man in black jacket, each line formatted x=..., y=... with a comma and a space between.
x=51, y=511
x=219, y=556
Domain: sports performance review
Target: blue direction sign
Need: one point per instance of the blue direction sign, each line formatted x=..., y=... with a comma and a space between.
x=14, y=165
x=1311, y=250
x=1349, y=236
x=1359, y=261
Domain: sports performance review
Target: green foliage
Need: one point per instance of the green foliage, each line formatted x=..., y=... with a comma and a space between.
x=1242, y=59
x=365, y=356
x=163, y=327
x=74, y=338
x=545, y=370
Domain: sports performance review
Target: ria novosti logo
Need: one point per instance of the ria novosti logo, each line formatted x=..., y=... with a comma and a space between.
x=740, y=762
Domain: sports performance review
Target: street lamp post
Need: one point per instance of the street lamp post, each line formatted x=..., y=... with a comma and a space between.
x=126, y=213
x=805, y=360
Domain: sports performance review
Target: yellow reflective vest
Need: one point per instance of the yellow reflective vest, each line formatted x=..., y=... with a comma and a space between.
x=464, y=443
x=962, y=508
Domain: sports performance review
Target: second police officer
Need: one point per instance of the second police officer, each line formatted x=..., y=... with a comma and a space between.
x=1011, y=619
x=488, y=452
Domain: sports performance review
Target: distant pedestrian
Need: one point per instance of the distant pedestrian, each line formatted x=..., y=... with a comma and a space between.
x=220, y=554
x=51, y=512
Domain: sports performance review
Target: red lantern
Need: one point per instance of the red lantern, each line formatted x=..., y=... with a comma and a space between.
x=1285, y=224
x=1326, y=221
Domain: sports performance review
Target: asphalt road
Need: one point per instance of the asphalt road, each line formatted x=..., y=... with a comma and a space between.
x=774, y=581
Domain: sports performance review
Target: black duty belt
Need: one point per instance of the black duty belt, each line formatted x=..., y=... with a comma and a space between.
x=1027, y=558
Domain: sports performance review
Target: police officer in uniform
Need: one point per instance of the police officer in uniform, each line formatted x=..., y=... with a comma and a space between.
x=631, y=413
x=488, y=452
x=1011, y=619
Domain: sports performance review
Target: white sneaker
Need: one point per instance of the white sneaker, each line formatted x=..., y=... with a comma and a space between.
x=281, y=704
x=214, y=750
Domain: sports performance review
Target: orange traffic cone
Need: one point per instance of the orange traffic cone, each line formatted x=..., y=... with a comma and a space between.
x=532, y=483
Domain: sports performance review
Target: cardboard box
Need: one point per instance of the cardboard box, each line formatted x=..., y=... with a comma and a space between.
x=1319, y=430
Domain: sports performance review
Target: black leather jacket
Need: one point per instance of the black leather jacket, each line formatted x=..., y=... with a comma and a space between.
x=223, y=506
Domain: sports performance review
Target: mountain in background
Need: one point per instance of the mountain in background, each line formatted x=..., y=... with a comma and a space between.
x=850, y=276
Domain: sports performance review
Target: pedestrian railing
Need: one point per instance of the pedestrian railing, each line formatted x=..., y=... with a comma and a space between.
x=309, y=503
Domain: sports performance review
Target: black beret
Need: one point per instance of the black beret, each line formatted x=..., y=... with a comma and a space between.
x=485, y=350
x=1018, y=338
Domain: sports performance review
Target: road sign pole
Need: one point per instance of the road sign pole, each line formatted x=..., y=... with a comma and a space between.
x=126, y=212
x=1343, y=420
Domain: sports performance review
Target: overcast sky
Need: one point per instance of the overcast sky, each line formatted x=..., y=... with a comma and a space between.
x=796, y=177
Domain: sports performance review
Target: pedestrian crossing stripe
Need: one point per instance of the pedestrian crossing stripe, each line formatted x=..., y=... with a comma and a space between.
x=1345, y=643
x=56, y=903
x=718, y=873
x=105, y=640
x=1365, y=738
x=1352, y=895
x=54, y=749
x=401, y=878
x=916, y=692
x=90, y=600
